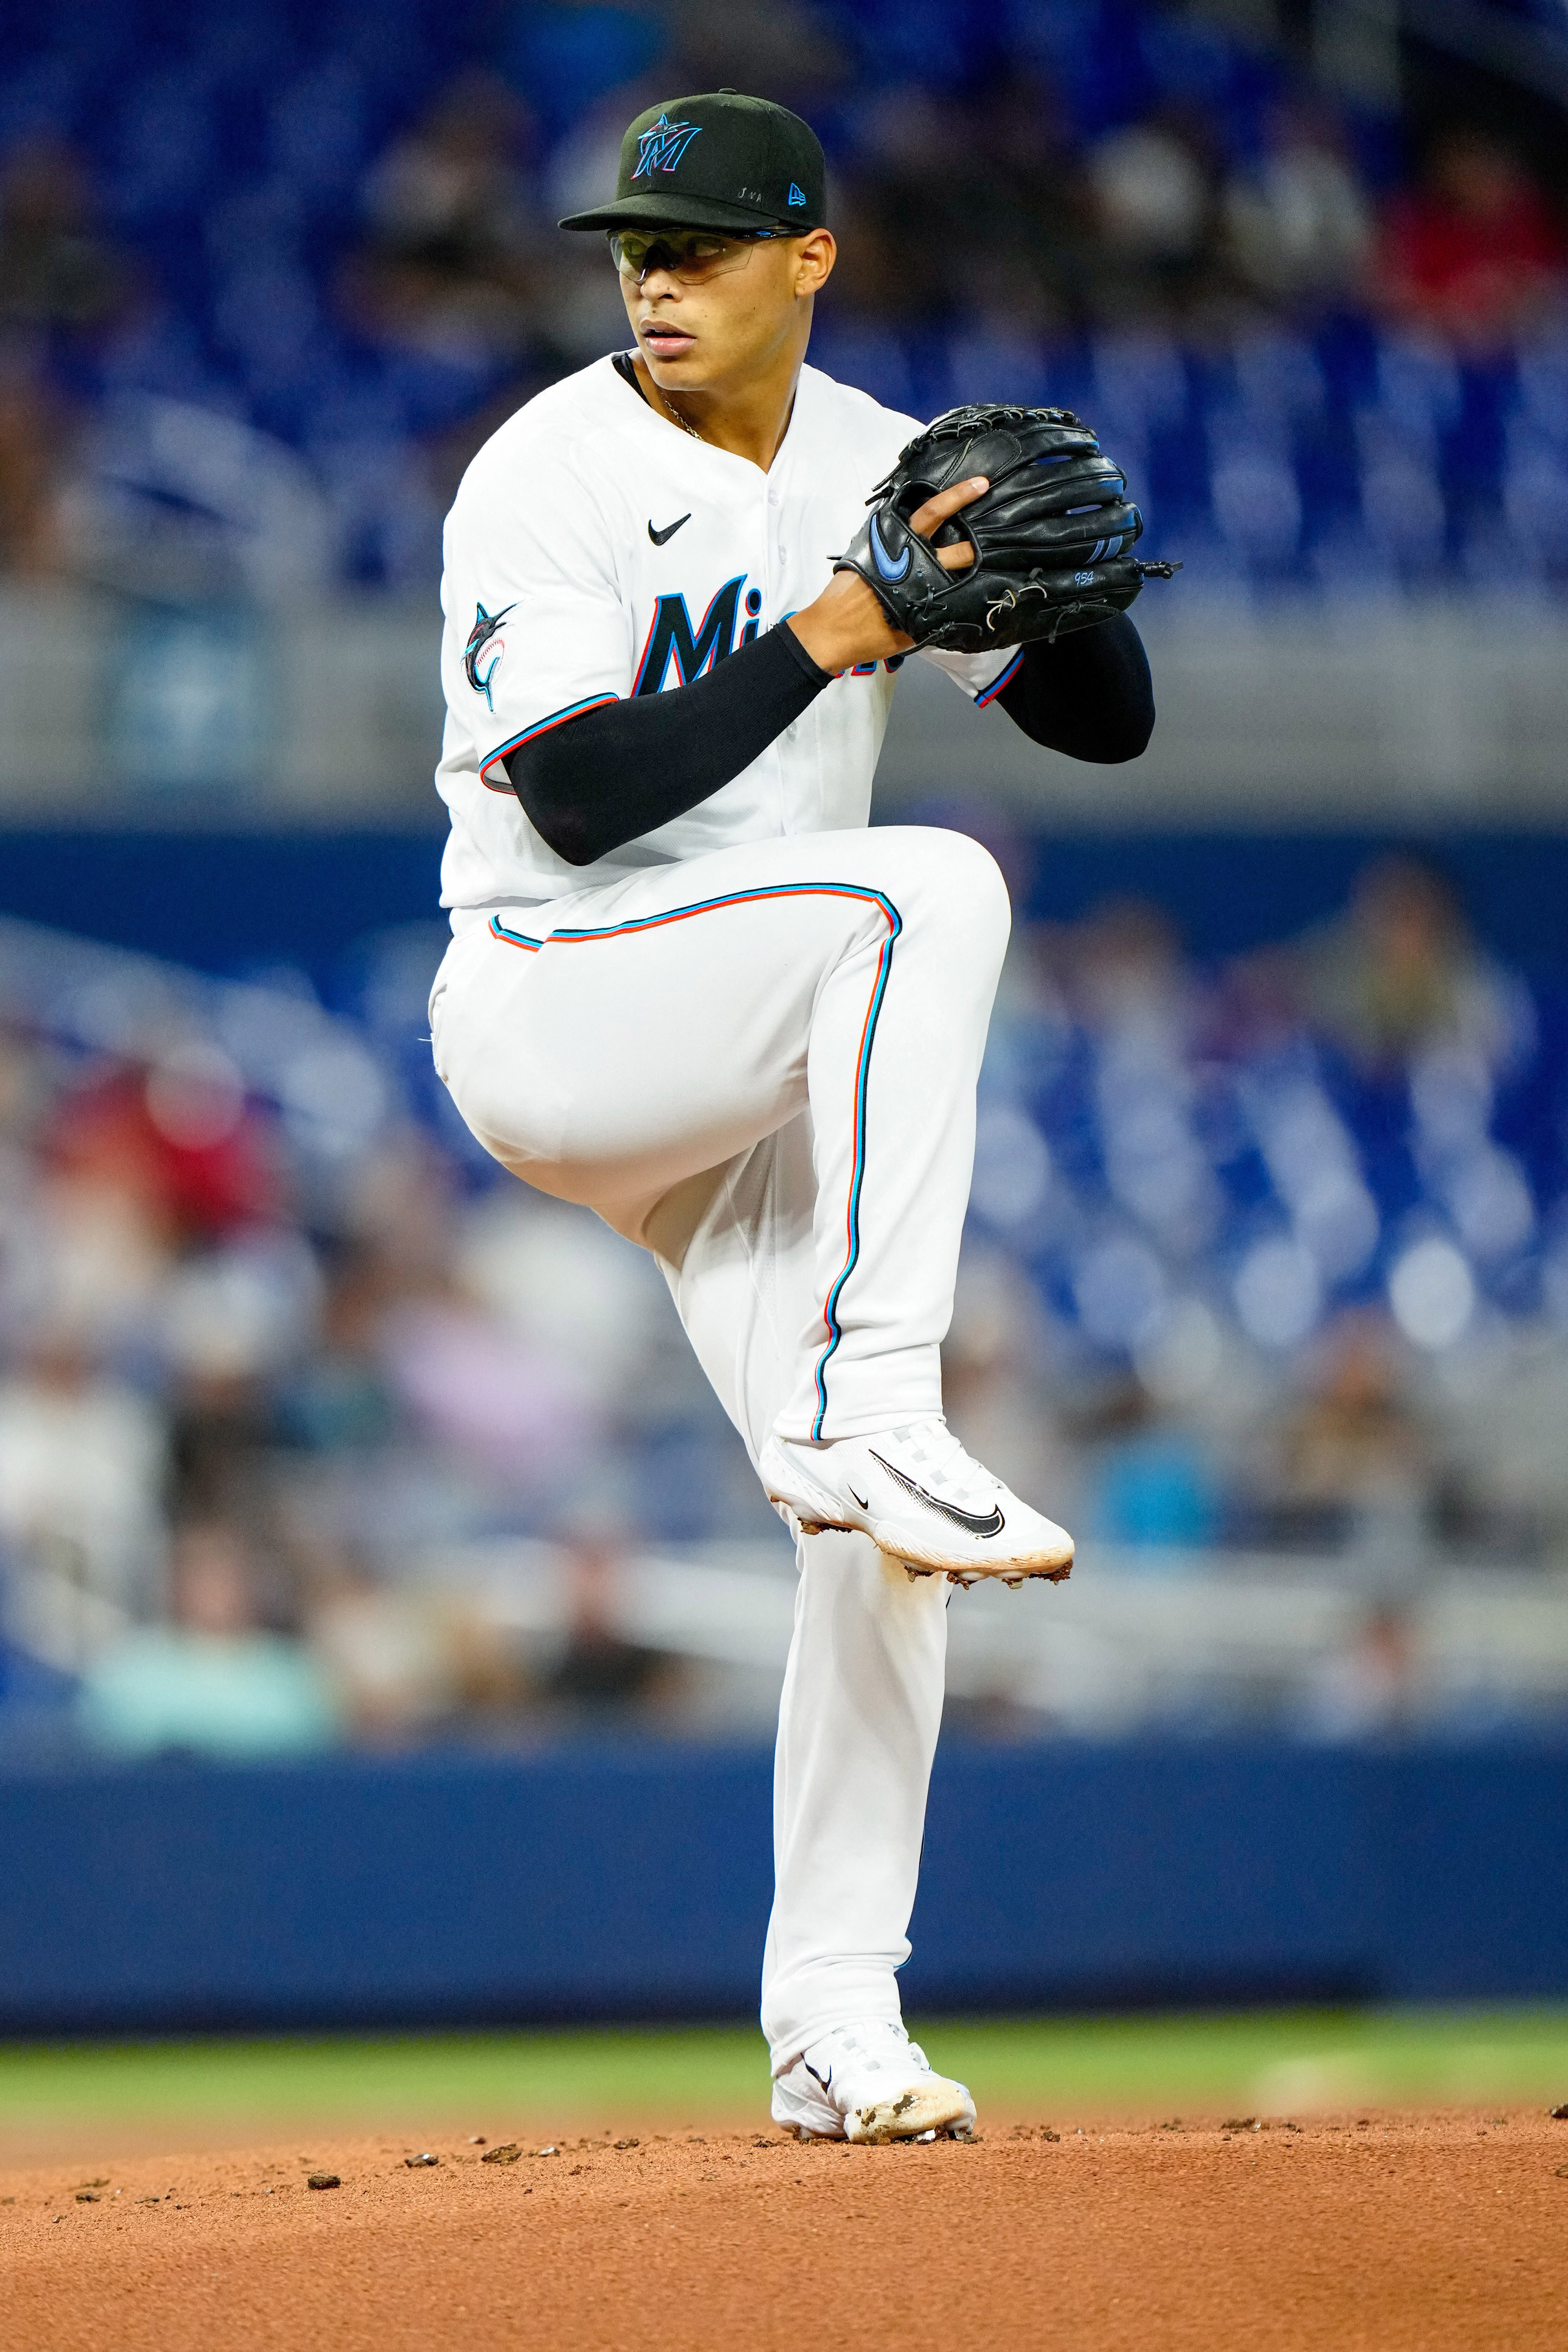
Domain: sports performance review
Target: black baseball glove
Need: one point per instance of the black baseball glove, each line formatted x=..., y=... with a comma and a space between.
x=1051, y=536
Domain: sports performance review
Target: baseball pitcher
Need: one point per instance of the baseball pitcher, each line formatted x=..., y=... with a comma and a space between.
x=689, y=988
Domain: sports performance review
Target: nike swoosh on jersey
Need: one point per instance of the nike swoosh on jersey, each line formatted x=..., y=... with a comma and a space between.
x=885, y=564
x=975, y=1523
x=659, y=537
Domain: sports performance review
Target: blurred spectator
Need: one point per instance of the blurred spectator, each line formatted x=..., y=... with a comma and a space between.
x=453, y=1333
x=32, y=441
x=56, y=272
x=337, y=1399
x=454, y=248
x=1351, y=1462
x=1364, y=1687
x=1123, y=976
x=1149, y=1481
x=406, y=1661
x=178, y=1139
x=1297, y=225
x=25, y=1086
x=400, y=1205
x=1123, y=970
x=1152, y=190
x=58, y=276
x=869, y=281
x=81, y=1470
x=522, y=1415
x=597, y=1668
x=563, y=1286
x=993, y=1389
x=241, y=1314
x=1503, y=1492
x=210, y=1681
x=919, y=239
x=1400, y=970
x=84, y=1259
x=1473, y=250
x=1035, y=195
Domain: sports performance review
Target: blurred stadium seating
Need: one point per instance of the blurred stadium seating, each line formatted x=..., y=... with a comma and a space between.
x=1265, y=1283
x=267, y=277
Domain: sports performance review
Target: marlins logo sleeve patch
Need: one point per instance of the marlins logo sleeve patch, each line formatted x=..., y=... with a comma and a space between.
x=481, y=639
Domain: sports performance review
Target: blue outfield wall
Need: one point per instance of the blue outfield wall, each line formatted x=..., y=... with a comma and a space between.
x=632, y=1880
x=224, y=900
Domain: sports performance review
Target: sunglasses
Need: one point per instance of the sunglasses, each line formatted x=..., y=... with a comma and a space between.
x=690, y=255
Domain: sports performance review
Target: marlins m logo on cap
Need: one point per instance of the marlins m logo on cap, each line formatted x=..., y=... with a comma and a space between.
x=756, y=166
x=661, y=146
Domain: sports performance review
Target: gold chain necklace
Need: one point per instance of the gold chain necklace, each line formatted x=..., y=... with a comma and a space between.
x=680, y=420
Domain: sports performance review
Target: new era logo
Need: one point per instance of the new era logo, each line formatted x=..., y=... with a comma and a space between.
x=796, y=194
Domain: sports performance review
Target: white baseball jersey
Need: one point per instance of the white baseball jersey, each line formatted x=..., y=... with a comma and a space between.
x=594, y=551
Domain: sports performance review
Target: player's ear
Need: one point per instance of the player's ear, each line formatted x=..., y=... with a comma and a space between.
x=815, y=256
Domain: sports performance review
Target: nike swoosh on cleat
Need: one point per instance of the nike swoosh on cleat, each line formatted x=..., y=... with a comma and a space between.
x=864, y=1505
x=825, y=2080
x=975, y=1523
x=659, y=537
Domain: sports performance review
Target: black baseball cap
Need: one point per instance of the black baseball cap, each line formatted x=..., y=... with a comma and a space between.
x=720, y=160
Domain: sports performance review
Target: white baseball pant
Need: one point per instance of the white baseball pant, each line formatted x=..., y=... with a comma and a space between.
x=761, y=1066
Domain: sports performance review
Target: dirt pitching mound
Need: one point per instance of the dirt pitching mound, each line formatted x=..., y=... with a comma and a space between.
x=1379, y=2232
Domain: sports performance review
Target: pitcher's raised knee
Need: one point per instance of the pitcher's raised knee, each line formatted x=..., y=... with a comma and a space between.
x=953, y=884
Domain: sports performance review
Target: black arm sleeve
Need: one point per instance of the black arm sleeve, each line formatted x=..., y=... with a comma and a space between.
x=628, y=767
x=1090, y=695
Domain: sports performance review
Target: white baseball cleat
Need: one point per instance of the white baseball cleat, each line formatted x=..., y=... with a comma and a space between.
x=918, y=1494
x=869, y=2082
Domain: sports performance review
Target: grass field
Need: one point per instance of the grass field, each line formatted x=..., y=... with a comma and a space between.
x=1264, y=2061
